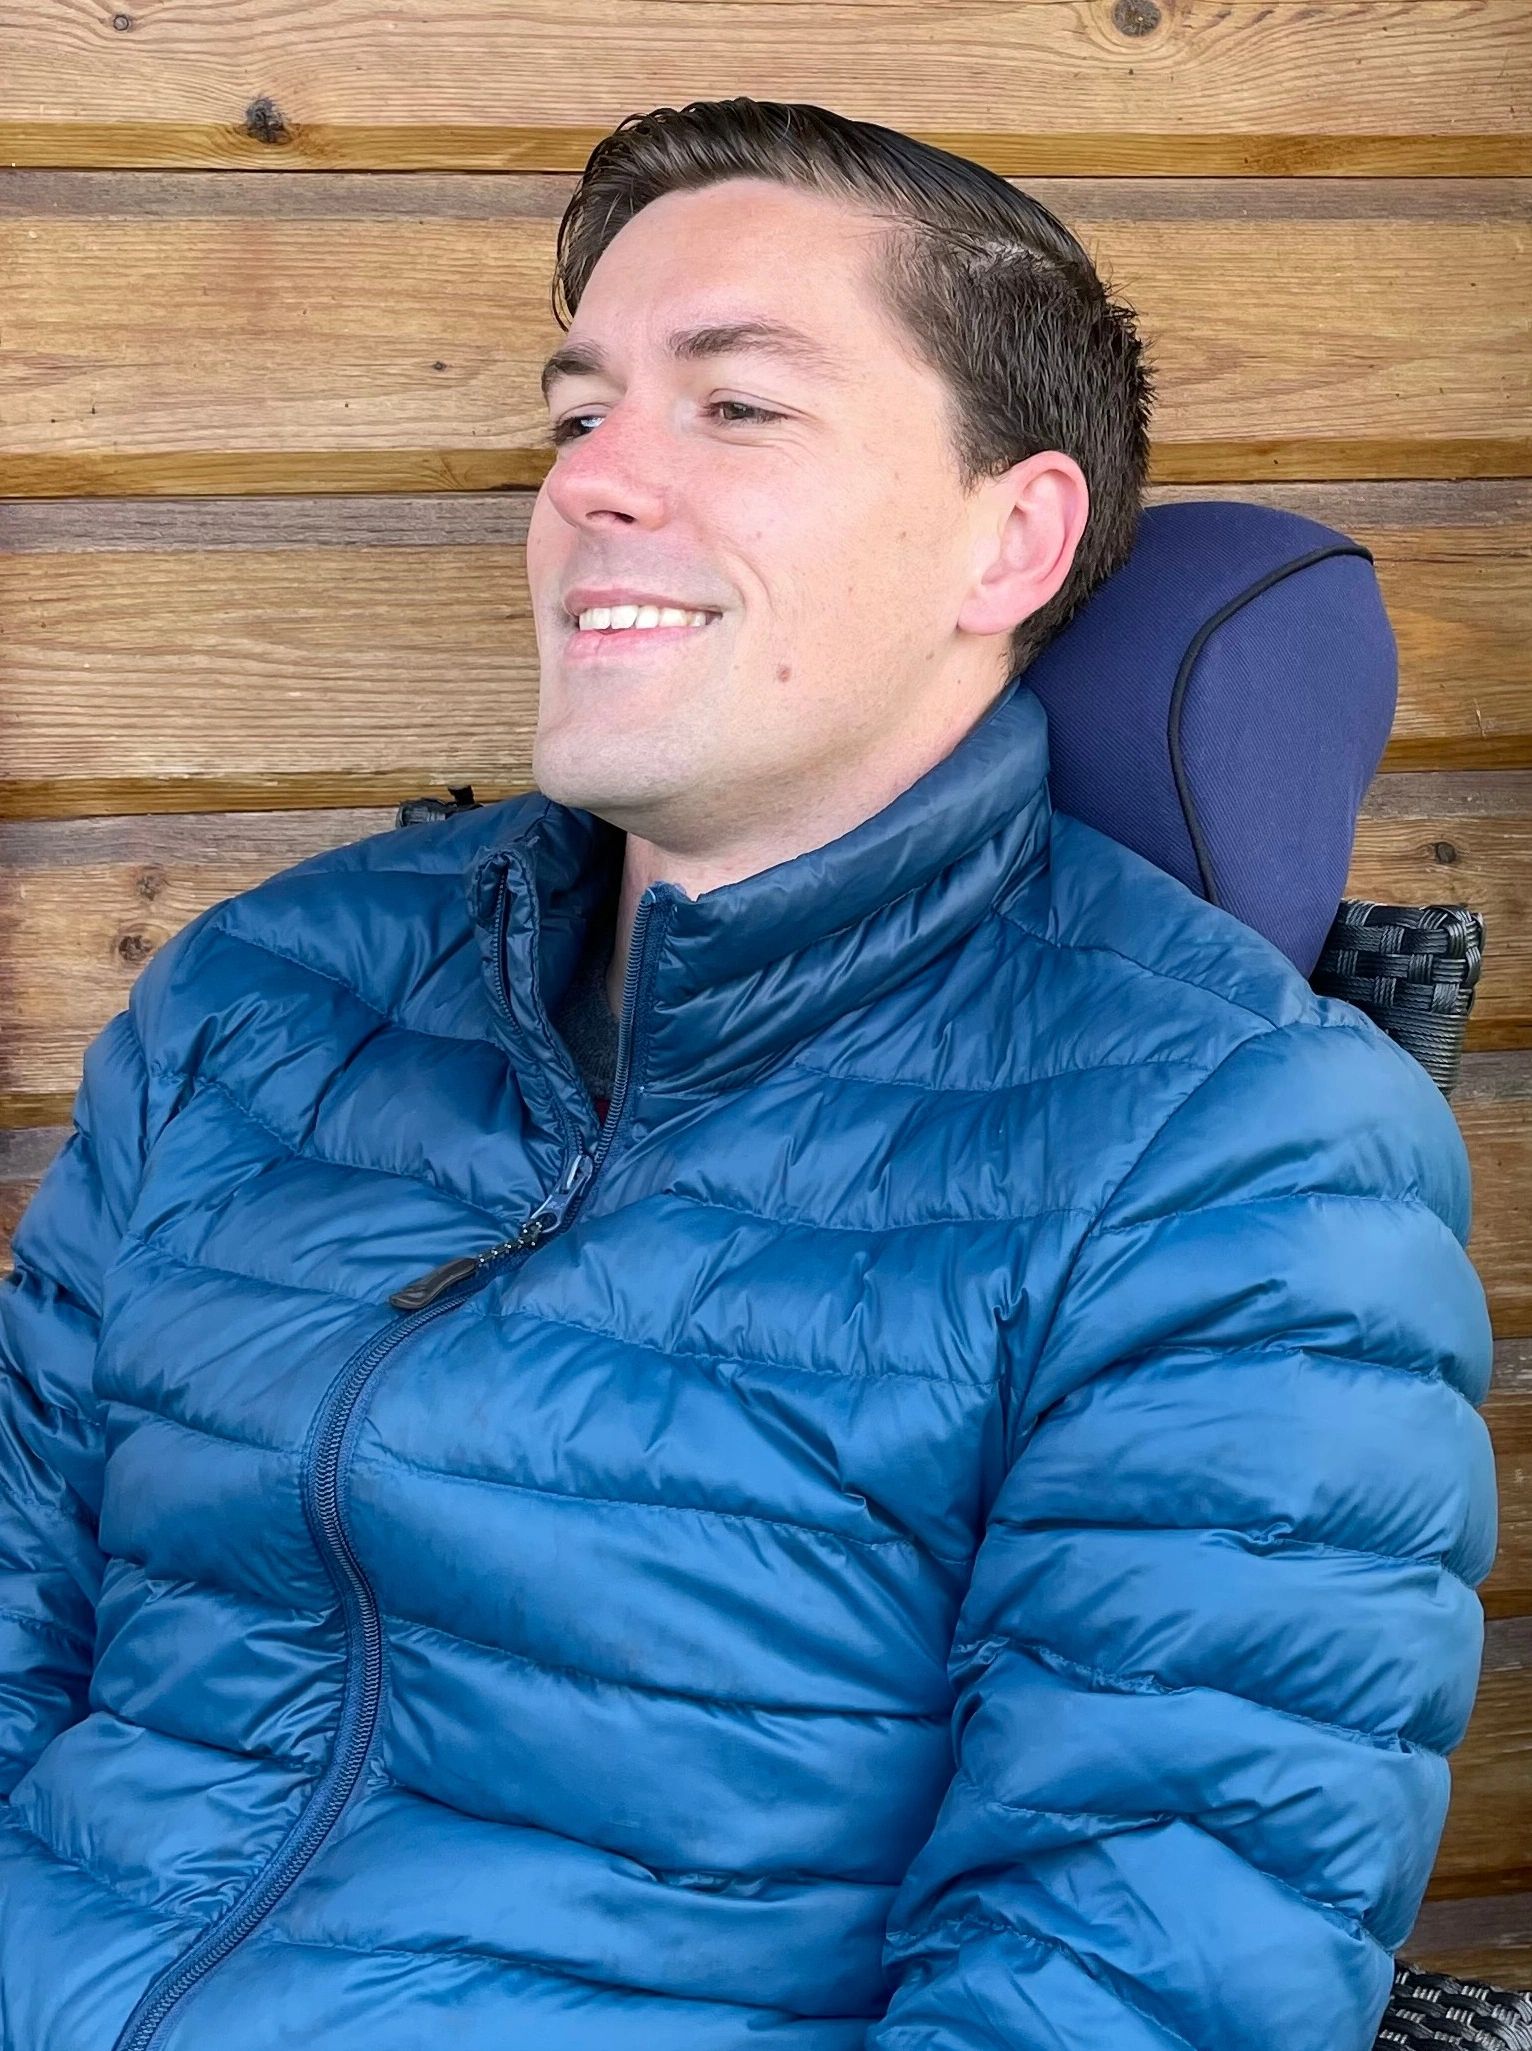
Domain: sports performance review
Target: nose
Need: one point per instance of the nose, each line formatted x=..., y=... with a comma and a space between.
x=612, y=473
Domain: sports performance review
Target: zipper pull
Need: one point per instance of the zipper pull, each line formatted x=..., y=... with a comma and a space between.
x=551, y=1212
x=537, y=1224
x=426, y=1288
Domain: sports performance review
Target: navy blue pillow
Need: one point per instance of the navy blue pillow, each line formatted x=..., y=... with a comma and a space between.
x=1221, y=705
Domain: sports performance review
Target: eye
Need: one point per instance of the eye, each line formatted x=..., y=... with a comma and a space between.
x=755, y=416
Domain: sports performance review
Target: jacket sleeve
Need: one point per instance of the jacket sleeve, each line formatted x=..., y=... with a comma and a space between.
x=50, y=1430
x=1222, y=1628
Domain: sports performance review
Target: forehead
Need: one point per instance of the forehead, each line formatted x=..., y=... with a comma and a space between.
x=745, y=266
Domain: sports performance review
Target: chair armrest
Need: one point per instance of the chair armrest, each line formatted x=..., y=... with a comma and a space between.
x=1413, y=970
x=1430, y=2009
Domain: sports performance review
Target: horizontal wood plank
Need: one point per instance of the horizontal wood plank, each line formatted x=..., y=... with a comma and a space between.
x=25, y=1152
x=1493, y=1106
x=344, y=332
x=1028, y=86
x=1487, y=1844
x=198, y=655
x=1508, y=1412
x=1483, y=1938
x=1452, y=839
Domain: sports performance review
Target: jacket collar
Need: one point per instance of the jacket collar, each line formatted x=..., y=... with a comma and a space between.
x=722, y=985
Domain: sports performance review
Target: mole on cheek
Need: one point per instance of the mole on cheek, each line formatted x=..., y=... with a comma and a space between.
x=784, y=671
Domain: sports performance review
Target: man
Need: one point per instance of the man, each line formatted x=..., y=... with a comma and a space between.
x=770, y=1396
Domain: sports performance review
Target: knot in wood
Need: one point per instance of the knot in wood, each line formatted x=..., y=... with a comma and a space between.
x=263, y=121
x=1136, y=17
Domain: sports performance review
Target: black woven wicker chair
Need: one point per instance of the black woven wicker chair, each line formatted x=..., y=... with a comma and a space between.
x=1413, y=969
x=1432, y=2008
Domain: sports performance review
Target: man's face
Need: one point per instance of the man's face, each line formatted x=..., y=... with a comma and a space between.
x=829, y=543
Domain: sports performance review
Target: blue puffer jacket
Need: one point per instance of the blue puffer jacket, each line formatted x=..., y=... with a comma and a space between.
x=949, y=1523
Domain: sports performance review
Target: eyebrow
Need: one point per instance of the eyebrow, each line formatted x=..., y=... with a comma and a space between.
x=692, y=345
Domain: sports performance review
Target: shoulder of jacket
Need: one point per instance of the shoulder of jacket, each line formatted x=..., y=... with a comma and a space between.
x=324, y=914
x=1137, y=936
x=1270, y=1065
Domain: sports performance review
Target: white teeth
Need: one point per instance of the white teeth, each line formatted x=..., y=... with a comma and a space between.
x=596, y=617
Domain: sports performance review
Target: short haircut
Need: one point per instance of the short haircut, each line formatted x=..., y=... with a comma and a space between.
x=992, y=289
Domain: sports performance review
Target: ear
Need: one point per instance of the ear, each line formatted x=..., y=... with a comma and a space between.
x=1030, y=523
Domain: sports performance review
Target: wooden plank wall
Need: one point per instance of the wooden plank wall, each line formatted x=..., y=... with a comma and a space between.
x=273, y=290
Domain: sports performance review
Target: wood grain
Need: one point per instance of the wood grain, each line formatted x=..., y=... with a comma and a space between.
x=1487, y=1844
x=343, y=332
x=1508, y=1591
x=1456, y=839
x=197, y=655
x=1493, y=1106
x=1484, y=1938
x=1028, y=86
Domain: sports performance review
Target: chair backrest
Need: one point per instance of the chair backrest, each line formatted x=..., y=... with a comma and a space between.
x=1221, y=705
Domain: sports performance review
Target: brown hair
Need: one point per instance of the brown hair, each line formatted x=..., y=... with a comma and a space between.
x=995, y=292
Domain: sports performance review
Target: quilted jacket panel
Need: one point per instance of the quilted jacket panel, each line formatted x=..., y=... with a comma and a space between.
x=955, y=1526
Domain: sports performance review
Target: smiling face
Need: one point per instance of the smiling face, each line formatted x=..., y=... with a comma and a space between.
x=804, y=494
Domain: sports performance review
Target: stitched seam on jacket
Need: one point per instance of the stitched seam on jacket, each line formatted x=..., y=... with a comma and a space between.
x=1129, y=1821
x=290, y=1455
x=1286, y=1349
x=1259, y=1547
x=1066, y=1278
x=707, y=1701
x=205, y=1079
x=59, y=1407
x=992, y=1089
x=41, y=1628
x=1400, y=1199
x=387, y=1780
x=1096, y=1971
x=223, y=1589
x=387, y=1462
x=100, y=1880
x=288, y=1285
x=1355, y=1925
x=162, y=1584
x=976, y=1219
x=298, y=961
x=475, y=1307
x=303, y=1769
x=633, y=1990
x=1150, y=1684
x=1160, y=975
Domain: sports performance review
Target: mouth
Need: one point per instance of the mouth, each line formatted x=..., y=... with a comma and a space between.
x=605, y=643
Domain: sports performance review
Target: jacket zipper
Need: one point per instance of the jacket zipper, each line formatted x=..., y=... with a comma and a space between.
x=555, y=1211
x=430, y=1296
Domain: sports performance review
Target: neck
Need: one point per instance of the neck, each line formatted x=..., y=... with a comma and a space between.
x=831, y=811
